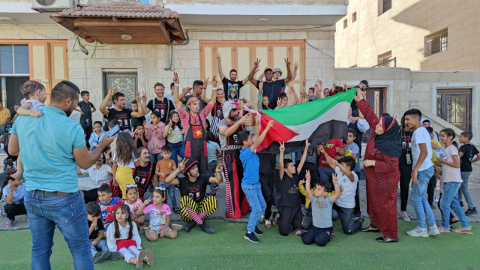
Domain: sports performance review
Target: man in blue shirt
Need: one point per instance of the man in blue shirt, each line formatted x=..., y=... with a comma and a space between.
x=251, y=178
x=51, y=148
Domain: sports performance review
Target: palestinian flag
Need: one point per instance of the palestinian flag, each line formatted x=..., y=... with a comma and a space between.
x=318, y=121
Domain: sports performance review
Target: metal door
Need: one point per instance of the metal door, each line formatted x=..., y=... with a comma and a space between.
x=126, y=83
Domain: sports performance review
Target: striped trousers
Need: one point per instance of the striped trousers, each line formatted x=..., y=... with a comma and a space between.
x=191, y=210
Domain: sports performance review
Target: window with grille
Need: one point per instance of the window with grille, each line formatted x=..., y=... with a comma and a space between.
x=345, y=23
x=384, y=59
x=436, y=43
x=354, y=17
x=455, y=107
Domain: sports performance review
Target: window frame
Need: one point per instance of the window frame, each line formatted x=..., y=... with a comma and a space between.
x=381, y=6
x=14, y=74
x=354, y=17
x=429, y=39
x=270, y=44
x=383, y=56
x=442, y=103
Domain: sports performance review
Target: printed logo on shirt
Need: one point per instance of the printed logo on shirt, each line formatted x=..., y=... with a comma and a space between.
x=233, y=91
x=294, y=190
x=320, y=204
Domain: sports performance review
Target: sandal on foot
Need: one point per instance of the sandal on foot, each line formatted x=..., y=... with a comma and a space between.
x=176, y=210
x=454, y=220
x=463, y=230
x=298, y=232
x=140, y=258
x=10, y=223
x=443, y=230
x=384, y=239
x=370, y=229
x=149, y=257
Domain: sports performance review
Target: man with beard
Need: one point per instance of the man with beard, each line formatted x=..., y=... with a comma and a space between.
x=119, y=112
x=143, y=174
x=198, y=88
x=231, y=86
x=52, y=147
x=217, y=114
x=194, y=126
x=271, y=88
x=228, y=128
x=160, y=104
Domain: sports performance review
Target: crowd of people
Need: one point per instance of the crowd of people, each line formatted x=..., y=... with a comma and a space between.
x=104, y=183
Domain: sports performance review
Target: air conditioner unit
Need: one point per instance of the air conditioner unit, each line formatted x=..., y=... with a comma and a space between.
x=53, y=5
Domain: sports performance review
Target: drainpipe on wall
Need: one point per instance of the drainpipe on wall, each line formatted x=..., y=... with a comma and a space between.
x=169, y=59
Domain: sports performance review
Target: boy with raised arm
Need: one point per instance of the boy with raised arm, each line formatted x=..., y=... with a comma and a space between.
x=321, y=231
x=348, y=181
x=251, y=177
x=291, y=214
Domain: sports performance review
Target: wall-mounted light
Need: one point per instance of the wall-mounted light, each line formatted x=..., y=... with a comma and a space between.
x=126, y=37
x=263, y=20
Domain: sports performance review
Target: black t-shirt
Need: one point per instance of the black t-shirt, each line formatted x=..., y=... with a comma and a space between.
x=139, y=141
x=122, y=116
x=163, y=107
x=87, y=112
x=99, y=227
x=469, y=152
x=272, y=90
x=406, y=140
x=290, y=191
x=142, y=177
x=135, y=121
x=195, y=190
x=231, y=88
x=267, y=163
x=202, y=102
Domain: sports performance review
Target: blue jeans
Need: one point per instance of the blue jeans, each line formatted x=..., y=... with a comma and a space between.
x=170, y=192
x=450, y=200
x=419, y=199
x=257, y=202
x=464, y=190
x=212, y=165
x=326, y=174
x=69, y=214
x=102, y=246
x=178, y=149
x=155, y=157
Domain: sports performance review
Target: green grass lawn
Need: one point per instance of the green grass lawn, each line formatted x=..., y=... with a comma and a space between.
x=226, y=249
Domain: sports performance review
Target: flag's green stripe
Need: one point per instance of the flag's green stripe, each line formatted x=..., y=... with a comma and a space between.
x=305, y=112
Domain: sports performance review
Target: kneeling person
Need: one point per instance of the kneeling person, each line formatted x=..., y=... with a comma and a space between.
x=321, y=231
x=194, y=206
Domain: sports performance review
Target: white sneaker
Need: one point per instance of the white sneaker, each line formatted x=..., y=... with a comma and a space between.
x=404, y=216
x=418, y=232
x=434, y=230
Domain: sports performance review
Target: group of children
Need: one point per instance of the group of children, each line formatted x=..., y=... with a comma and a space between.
x=120, y=221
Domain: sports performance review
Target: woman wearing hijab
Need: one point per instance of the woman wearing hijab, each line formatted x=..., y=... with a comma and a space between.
x=381, y=168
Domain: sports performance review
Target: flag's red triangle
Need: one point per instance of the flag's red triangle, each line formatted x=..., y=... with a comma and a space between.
x=278, y=133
